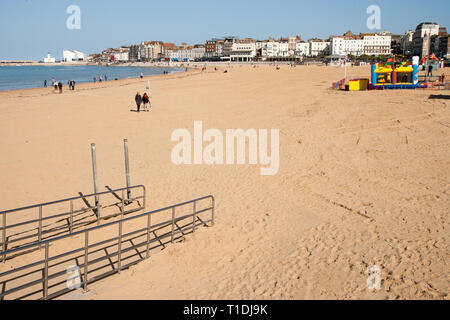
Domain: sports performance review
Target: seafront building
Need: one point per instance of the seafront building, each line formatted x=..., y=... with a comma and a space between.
x=243, y=51
x=73, y=56
x=371, y=44
x=377, y=44
x=428, y=37
x=407, y=44
x=422, y=37
x=319, y=47
x=185, y=53
x=49, y=59
x=214, y=48
x=302, y=49
x=440, y=44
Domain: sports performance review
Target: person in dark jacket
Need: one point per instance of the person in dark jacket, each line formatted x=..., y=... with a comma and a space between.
x=60, y=86
x=146, y=101
x=138, y=100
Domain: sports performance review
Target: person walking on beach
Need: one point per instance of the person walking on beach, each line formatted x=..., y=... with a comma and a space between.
x=95, y=79
x=60, y=86
x=73, y=84
x=55, y=84
x=430, y=70
x=45, y=83
x=142, y=75
x=146, y=101
x=100, y=78
x=106, y=78
x=138, y=100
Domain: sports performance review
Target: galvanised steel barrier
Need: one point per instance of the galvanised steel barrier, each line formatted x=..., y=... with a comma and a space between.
x=35, y=230
x=49, y=274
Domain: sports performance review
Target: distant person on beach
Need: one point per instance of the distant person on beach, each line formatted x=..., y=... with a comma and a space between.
x=100, y=79
x=95, y=79
x=55, y=84
x=45, y=83
x=106, y=78
x=142, y=75
x=138, y=100
x=404, y=78
x=60, y=86
x=430, y=70
x=146, y=101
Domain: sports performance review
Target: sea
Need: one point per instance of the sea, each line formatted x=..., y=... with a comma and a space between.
x=24, y=77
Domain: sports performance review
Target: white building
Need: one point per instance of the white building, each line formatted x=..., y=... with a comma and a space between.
x=275, y=49
x=70, y=56
x=343, y=46
x=377, y=45
x=407, y=43
x=123, y=56
x=49, y=59
x=186, y=54
x=422, y=37
x=243, y=52
x=319, y=47
x=270, y=49
x=146, y=51
x=302, y=49
x=368, y=44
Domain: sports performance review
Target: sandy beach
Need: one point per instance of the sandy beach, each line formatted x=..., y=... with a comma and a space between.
x=364, y=179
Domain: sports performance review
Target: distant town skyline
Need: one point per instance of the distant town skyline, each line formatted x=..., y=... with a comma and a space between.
x=31, y=28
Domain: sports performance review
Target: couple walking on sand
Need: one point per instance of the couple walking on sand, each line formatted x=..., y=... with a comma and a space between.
x=144, y=100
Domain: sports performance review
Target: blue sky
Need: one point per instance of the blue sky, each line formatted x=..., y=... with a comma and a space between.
x=31, y=28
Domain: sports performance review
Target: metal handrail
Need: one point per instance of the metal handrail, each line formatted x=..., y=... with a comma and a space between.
x=68, y=199
x=148, y=229
x=69, y=215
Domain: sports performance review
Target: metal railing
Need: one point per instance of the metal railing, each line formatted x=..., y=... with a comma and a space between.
x=47, y=227
x=50, y=276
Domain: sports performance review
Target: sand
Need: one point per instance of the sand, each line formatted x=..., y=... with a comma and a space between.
x=363, y=180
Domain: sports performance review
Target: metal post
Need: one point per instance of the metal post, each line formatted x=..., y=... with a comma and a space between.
x=40, y=226
x=194, y=217
x=173, y=222
x=119, y=261
x=122, y=208
x=46, y=273
x=94, y=172
x=148, y=235
x=71, y=216
x=86, y=246
x=4, y=237
x=213, y=205
x=127, y=167
x=98, y=208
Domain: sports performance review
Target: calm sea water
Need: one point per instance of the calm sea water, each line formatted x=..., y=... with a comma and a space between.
x=22, y=77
